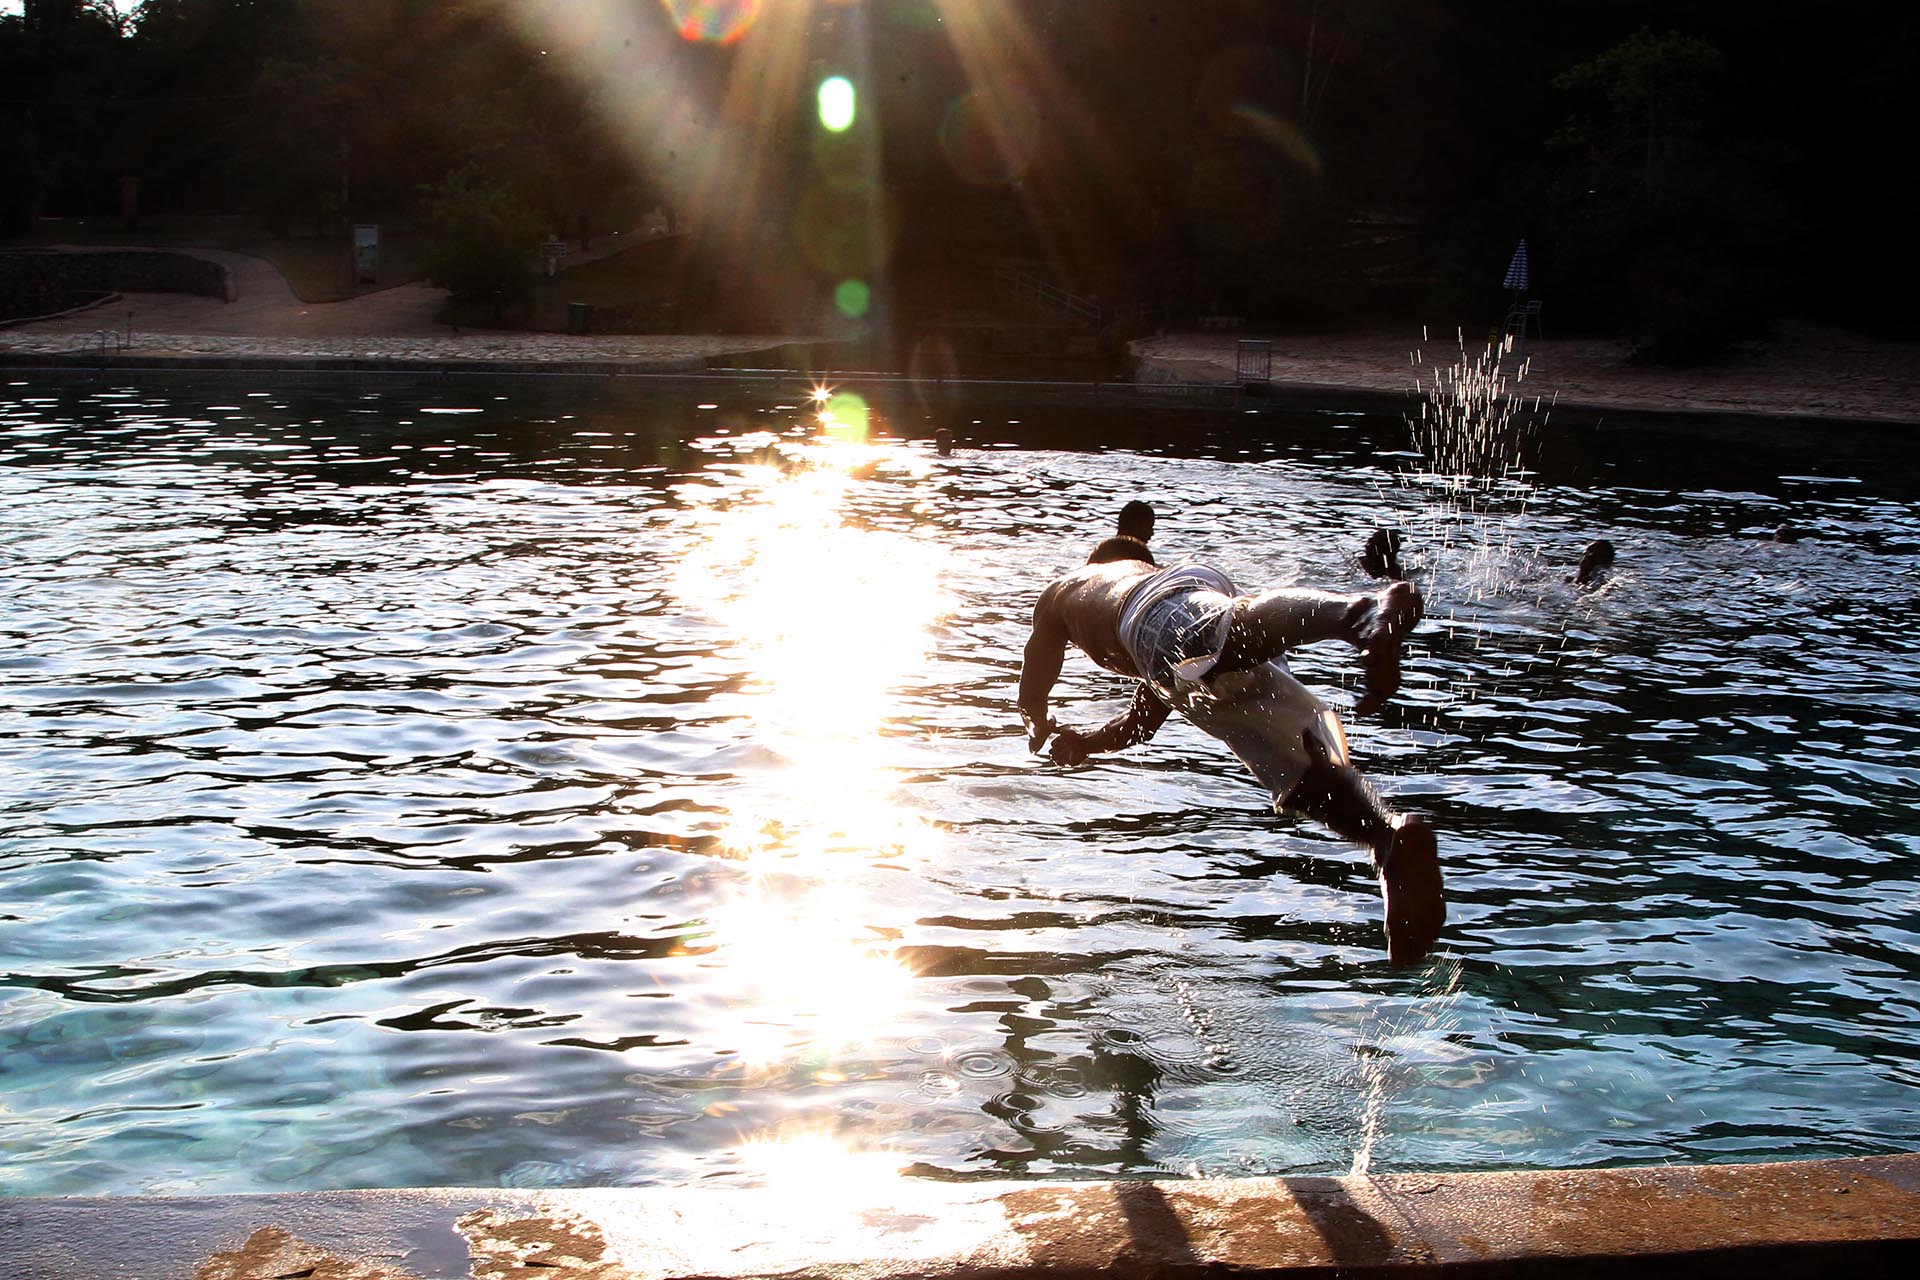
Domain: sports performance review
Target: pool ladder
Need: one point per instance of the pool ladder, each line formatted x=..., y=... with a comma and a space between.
x=104, y=342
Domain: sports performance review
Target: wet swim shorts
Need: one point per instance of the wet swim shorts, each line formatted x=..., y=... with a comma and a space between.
x=1177, y=619
x=1174, y=626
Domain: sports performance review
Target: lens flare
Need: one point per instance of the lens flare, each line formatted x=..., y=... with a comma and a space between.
x=712, y=21
x=836, y=103
x=845, y=234
x=1278, y=133
x=853, y=298
x=845, y=418
x=988, y=135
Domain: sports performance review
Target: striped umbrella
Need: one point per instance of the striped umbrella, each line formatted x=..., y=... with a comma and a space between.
x=1517, y=270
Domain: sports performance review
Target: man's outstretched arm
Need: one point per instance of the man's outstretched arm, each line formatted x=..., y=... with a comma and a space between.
x=1039, y=669
x=1139, y=722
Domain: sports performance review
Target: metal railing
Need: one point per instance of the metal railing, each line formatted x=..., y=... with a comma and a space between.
x=1030, y=288
x=103, y=343
x=1253, y=360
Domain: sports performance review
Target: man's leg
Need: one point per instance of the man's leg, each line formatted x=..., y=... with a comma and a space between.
x=1267, y=625
x=1403, y=848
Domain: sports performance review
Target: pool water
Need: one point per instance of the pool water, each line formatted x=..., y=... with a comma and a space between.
x=501, y=784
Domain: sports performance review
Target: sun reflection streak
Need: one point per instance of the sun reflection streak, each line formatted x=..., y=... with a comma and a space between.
x=814, y=973
x=812, y=1168
x=831, y=618
x=834, y=616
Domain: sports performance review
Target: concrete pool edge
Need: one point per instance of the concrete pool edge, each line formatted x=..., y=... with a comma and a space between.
x=1801, y=1217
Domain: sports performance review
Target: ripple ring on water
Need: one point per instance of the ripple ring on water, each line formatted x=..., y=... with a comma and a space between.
x=982, y=1064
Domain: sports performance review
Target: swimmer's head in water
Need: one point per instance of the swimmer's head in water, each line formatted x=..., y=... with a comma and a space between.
x=1136, y=521
x=1596, y=561
x=1121, y=548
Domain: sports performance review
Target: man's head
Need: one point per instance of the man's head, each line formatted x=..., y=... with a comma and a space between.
x=943, y=442
x=1597, y=559
x=1136, y=521
x=1121, y=547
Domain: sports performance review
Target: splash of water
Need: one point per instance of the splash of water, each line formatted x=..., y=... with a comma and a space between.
x=1474, y=428
x=1478, y=435
x=1424, y=1021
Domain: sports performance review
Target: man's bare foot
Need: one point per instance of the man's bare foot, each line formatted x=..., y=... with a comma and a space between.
x=1387, y=620
x=1380, y=558
x=1410, y=883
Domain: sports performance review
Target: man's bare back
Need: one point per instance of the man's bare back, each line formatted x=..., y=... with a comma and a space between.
x=1084, y=607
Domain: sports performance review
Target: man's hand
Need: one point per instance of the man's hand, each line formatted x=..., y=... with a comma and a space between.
x=1038, y=731
x=1070, y=747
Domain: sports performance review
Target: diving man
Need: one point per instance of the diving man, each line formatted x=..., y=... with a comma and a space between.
x=1199, y=646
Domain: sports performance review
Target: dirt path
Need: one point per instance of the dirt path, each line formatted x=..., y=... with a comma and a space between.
x=261, y=305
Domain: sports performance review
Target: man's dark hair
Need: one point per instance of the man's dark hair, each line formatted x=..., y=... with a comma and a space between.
x=1121, y=548
x=1136, y=521
x=1596, y=561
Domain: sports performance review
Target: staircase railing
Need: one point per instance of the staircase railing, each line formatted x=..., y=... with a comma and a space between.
x=1045, y=295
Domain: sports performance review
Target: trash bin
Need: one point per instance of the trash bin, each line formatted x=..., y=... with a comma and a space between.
x=577, y=313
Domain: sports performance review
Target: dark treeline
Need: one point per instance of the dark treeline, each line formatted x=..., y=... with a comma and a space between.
x=1682, y=172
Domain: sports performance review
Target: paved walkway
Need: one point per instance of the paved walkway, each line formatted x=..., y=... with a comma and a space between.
x=1857, y=1218
x=1803, y=371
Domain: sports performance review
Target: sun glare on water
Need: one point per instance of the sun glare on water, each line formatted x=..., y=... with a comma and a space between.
x=831, y=619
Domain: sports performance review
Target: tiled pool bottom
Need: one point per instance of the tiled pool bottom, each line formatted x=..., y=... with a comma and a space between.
x=1859, y=1217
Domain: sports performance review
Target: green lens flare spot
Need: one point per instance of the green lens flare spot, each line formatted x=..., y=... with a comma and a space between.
x=836, y=103
x=845, y=417
x=853, y=298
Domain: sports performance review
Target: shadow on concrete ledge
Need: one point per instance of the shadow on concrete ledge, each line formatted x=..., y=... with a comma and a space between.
x=1858, y=1217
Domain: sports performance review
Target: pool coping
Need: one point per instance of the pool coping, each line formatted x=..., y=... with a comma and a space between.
x=1225, y=396
x=1811, y=1217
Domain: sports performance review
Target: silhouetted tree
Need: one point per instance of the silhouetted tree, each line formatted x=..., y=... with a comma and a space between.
x=1665, y=220
x=483, y=238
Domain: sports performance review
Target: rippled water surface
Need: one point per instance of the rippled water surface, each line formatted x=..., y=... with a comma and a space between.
x=457, y=785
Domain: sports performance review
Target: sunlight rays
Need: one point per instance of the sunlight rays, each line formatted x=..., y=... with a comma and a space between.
x=724, y=135
x=705, y=150
x=1018, y=96
x=627, y=67
x=765, y=92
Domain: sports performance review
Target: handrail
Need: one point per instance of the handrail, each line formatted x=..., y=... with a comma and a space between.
x=1027, y=285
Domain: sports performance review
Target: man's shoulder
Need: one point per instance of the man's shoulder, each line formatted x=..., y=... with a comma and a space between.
x=1095, y=581
x=1107, y=573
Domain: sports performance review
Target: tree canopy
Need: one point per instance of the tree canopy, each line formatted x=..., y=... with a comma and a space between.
x=1682, y=171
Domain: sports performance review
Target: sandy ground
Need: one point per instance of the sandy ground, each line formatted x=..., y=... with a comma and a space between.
x=262, y=317
x=1803, y=371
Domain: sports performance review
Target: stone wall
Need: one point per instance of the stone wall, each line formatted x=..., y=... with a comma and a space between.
x=38, y=282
